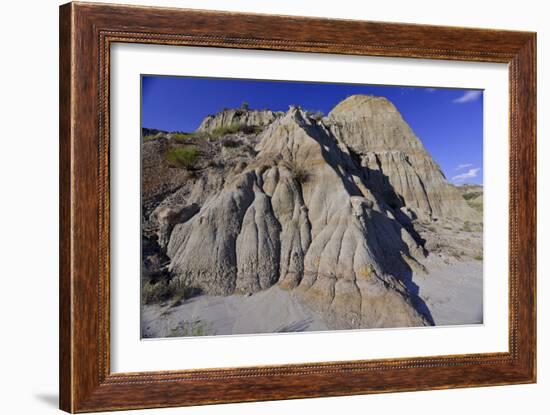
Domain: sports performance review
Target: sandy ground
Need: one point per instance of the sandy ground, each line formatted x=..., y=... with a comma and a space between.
x=270, y=311
x=452, y=293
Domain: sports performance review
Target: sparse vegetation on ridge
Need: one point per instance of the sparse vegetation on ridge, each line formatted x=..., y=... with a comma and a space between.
x=234, y=128
x=228, y=129
x=182, y=136
x=150, y=137
x=164, y=290
x=182, y=156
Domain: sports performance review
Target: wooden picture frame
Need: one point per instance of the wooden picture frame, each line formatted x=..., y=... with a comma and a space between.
x=86, y=33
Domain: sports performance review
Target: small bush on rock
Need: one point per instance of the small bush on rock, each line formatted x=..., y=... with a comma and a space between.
x=185, y=157
x=299, y=172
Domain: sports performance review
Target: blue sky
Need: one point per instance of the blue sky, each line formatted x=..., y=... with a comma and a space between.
x=448, y=121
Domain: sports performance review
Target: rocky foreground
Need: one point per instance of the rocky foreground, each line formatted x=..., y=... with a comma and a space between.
x=344, y=211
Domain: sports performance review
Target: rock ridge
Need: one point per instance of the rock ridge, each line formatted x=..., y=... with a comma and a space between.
x=237, y=117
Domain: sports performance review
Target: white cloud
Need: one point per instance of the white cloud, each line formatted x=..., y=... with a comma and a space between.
x=463, y=166
x=468, y=96
x=470, y=174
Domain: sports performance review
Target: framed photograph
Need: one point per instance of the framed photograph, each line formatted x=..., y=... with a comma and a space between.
x=258, y=207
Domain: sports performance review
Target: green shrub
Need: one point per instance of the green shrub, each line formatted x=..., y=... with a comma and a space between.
x=479, y=257
x=234, y=128
x=155, y=292
x=182, y=137
x=228, y=129
x=149, y=137
x=471, y=195
x=178, y=298
x=299, y=172
x=165, y=290
x=182, y=156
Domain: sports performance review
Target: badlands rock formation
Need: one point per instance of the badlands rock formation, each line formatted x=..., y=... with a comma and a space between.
x=243, y=117
x=396, y=162
x=325, y=207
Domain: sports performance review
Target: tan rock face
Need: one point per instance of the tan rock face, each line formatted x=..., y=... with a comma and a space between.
x=244, y=117
x=396, y=161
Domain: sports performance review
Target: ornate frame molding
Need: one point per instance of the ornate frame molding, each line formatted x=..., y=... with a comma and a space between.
x=86, y=34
